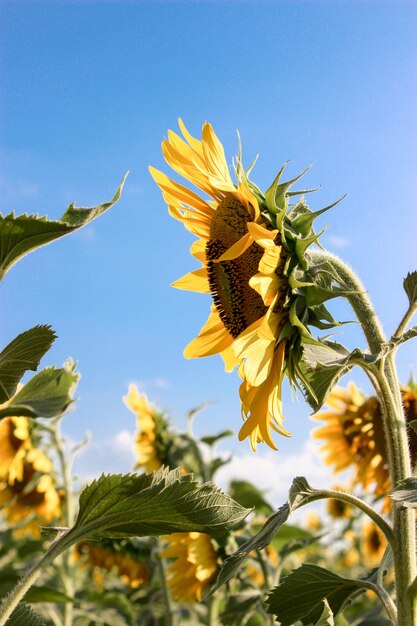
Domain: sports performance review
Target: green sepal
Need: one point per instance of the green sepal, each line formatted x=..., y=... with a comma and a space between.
x=302, y=244
x=303, y=222
x=270, y=193
x=22, y=233
x=281, y=190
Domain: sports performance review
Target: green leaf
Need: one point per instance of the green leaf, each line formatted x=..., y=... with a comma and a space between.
x=301, y=594
x=153, y=504
x=300, y=493
x=261, y=540
x=22, y=354
x=23, y=233
x=410, y=286
x=46, y=594
x=210, y=440
x=405, y=493
x=48, y=394
x=24, y=616
x=249, y=496
x=238, y=605
x=323, y=364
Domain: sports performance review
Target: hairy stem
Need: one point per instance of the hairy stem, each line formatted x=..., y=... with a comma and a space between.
x=18, y=592
x=387, y=386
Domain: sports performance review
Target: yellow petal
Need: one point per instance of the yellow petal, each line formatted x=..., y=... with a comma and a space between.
x=237, y=249
x=212, y=339
x=194, y=281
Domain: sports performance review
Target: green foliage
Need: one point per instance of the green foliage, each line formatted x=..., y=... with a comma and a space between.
x=153, y=504
x=262, y=539
x=249, y=496
x=24, y=616
x=239, y=605
x=22, y=354
x=23, y=233
x=301, y=594
x=324, y=364
x=48, y=394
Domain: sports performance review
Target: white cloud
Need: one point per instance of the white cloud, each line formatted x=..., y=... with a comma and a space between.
x=113, y=455
x=272, y=472
x=338, y=241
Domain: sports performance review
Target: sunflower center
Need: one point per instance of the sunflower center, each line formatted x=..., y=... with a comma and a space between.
x=237, y=304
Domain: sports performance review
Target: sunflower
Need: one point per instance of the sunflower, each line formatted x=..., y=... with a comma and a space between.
x=150, y=438
x=338, y=508
x=252, y=247
x=374, y=544
x=100, y=559
x=355, y=438
x=31, y=498
x=14, y=444
x=194, y=565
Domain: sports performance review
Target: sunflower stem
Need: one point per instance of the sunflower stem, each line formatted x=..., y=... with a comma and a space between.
x=69, y=517
x=387, y=386
x=24, y=584
x=169, y=614
x=404, y=322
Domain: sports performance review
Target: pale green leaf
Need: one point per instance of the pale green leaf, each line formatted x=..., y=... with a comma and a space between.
x=23, y=615
x=22, y=354
x=22, y=233
x=405, y=493
x=48, y=394
x=326, y=618
x=153, y=504
x=410, y=286
x=301, y=594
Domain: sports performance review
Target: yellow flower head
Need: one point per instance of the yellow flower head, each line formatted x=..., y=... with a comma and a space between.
x=338, y=508
x=374, y=544
x=14, y=444
x=354, y=436
x=194, y=566
x=149, y=440
x=131, y=571
x=32, y=495
x=252, y=250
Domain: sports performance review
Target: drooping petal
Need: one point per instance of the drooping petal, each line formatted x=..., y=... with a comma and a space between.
x=212, y=339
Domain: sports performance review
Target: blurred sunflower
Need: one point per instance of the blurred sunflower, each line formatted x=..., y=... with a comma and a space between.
x=150, y=440
x=194, y=565
x=338, y=508
x=355, y=437
x=14, y=444
x=374, y=544
x=100, y=559
x=252, y=248
x=31, y=495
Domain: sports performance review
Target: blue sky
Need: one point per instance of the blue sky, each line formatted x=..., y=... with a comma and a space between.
x=89, y=89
